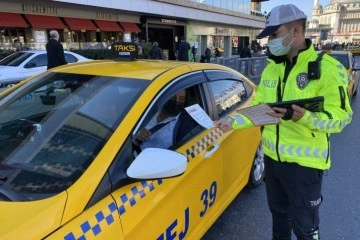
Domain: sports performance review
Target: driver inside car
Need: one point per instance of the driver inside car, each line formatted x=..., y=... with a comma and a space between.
x=158, y=133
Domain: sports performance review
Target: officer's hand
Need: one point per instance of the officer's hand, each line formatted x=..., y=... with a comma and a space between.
x=143, y=135
x=277, y=112
x=223, y=125
x=299, y=112
x=295, y=113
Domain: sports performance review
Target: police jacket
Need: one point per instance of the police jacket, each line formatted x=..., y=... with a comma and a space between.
x=305, y=142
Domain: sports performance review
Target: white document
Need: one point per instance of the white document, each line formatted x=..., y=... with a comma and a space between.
x=258, y=115
x=200, y=116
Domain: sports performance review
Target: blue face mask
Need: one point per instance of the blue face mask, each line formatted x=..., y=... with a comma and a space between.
x=276, y=47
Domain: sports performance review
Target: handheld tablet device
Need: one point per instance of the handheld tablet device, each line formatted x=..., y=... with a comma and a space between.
x=315, y=104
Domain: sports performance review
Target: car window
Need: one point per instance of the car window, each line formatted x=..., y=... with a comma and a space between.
x=15, y=59
x=53, y=127
x=229, y=95
x=166, y=126
x=165, y=132
x=38, y=61
x=70, y=58
x=342, y=58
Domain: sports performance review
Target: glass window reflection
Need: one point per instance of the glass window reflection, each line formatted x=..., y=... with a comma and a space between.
x=228, y=95
x=242, y=6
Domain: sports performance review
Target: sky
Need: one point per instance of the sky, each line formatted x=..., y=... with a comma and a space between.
x=304, y=5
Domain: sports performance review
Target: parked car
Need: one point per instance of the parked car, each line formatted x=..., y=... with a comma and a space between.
x=24, y=64
x=71, y=166
x=346, y=58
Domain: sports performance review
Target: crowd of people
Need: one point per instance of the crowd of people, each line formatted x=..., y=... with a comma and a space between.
x=336, y=46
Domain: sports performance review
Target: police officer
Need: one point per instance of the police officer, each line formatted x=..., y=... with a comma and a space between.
x=296, y=150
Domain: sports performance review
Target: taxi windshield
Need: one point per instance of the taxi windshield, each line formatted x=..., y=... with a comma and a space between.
x=53, y=127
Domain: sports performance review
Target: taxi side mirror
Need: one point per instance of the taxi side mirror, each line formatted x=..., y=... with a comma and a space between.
x=154, y=163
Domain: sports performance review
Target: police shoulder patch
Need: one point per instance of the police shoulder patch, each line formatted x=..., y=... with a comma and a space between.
x=302, y=80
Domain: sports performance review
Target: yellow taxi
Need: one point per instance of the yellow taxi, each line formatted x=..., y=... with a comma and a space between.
x=346, y=58
x=72, y=166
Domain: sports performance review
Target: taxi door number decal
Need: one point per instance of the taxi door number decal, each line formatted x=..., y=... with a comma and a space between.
x=208, y=197
x=170, y=232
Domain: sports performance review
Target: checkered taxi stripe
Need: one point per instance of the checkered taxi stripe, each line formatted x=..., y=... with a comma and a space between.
x=94, y=226
x=201, y=145
x=104, y=218
x=128, y=201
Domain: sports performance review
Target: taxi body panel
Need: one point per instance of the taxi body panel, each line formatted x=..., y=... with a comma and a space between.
x=149, y=71
x=103, y=202
x=99, y=222
x=33, y=220
x=178, y=214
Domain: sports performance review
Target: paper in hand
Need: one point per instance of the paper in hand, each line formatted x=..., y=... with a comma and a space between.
x=200, y=116
x=258, y=115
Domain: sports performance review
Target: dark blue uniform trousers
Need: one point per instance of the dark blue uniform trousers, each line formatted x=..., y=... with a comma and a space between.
x=294, y=197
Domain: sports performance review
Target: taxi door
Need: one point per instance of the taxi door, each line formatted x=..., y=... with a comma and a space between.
x=230, y=92
x=180, y=207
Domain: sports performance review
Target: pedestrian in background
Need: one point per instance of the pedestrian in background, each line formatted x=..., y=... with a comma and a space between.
x=207, y=55
x=217, y=52
x=246, y=51
x=17, y=45
x=193, y=52
x=155, y=51
x=183, y=50
x=55, y=51
x=297, y=151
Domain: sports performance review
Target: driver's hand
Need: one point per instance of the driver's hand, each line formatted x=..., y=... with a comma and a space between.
x=143, y=135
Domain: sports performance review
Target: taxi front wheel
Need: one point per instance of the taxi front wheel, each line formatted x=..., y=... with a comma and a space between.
x=257, y=173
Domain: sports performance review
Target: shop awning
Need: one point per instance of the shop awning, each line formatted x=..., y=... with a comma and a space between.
x=130, y=27
x=108, y=26
x=47, y=22
x=12, y=20
x=76, y=24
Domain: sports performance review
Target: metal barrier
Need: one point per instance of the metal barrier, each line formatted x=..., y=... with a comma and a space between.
x=250, y=67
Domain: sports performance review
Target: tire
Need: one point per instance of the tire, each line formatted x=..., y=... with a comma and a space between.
x=257, y=173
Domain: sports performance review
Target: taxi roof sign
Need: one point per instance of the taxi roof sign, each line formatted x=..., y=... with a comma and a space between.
x=125, y=50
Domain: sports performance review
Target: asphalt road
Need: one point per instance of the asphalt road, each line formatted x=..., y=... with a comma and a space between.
x=248, y=217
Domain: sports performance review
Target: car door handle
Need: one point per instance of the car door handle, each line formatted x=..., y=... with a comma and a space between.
x=212, y=150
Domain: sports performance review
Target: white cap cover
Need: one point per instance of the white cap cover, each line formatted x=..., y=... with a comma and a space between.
x=278, y=16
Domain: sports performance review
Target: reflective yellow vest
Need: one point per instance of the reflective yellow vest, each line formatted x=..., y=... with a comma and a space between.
x=305, y=142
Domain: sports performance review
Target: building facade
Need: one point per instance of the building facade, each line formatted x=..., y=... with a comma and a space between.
x=85, y=24
x=337, y=22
